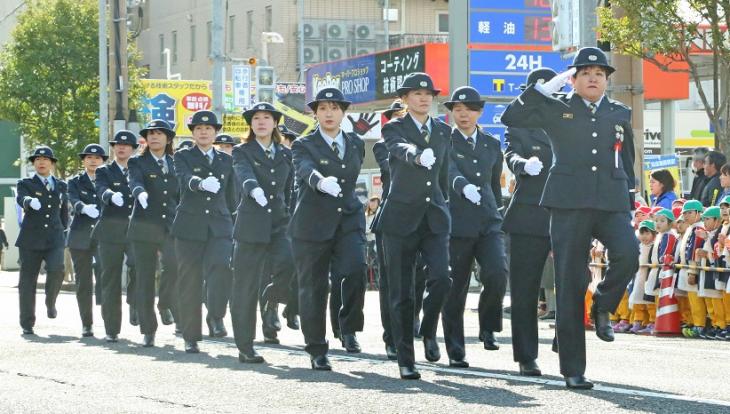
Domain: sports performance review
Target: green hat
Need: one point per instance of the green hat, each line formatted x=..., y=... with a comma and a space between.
x=692, y=205
x=711, y=212
x=647, y=224
x=666, y=213
x=725, y=200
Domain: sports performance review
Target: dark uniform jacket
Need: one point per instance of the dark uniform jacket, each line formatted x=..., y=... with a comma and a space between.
x=712, y=191
x=114, y=220
x=81, y=192
x=524, y=214
x=42, y=229
x=415, y=191
x=583, y=174
x=698, y=184
x=317, y=215
x=200, y=211
x=256, y=224
x=482, y=167
x=152, y=224
x=380, y=151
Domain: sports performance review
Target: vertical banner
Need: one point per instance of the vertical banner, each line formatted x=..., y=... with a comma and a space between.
x=241, y=87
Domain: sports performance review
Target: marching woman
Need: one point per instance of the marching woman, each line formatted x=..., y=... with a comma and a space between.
x=153, y=184
x=264, y=168
x=85, y=208
x=328, y=227
x=203, y=227
x=111, y=231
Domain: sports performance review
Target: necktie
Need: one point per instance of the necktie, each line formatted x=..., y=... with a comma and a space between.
x=470, y=141
x=125, y=171
x=424, y=133
x=593, y=107
x=162, y=165
x=336, y=149
x=269, y=154
x=210, y=158
x=47, y=183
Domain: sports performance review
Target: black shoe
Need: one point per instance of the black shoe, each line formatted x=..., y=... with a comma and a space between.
x=216, y=328
x=711, y=333
x=409, y=373
x=490, y=342
x=349, y=342
x=391, y=352
x=458, y=363
x=148, y=341
x=578, y=382
x=530, y=369
x=548, y=316
x=112, y=338
x=417, y=329
x=86, y=332
x=250, y=356
x=431, y=349
x=555, y=344
x=28, y=331
x=166, y=317
x=292, y=321
x=191, y=347
x=602, y=321
x=52, y=312
x=270, y=338
x=133, y=316
x=320, y=363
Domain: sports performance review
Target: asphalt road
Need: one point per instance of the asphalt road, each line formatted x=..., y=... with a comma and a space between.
x=57, y=371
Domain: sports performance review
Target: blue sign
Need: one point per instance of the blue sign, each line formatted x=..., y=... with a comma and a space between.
x=354, y=77
x=490, y=121
x=500, y=73
x=509, y=28
x=510, y=4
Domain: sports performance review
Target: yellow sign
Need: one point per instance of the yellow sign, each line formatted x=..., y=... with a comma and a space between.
x=296, y=121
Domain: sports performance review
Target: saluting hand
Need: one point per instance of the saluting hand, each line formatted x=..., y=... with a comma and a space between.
x=555, y=84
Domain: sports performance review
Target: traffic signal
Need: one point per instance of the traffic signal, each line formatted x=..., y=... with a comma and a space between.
x=265, y=83
x=562, y=24
x=252, y=61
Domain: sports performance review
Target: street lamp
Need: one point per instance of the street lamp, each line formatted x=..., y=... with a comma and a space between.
x=266, y=38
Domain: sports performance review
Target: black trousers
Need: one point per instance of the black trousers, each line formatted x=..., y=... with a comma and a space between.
x=253, y=262
x=383, y=292
x=192, y=257
x=571, y=232
x=218, y=279
x=344, y=256
x=147, y=257
x=400, y=254
x=420, y=286
x=84, y=271
x=111, y=256
x=488, y=251
x=525, y=272
x=30, y=266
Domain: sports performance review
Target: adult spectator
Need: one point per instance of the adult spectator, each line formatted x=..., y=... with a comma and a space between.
x=661, y=186
x=698, y=167
x=714, y=160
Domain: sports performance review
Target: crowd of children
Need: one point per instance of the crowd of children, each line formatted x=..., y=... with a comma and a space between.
x=688, y=243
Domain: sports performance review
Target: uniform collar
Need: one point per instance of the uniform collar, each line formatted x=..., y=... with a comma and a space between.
x=597, y=103
x=339, y=139
x=210, y=153
x=50, y=178
x=420, y=125
x=472, y=136
x=271, y=147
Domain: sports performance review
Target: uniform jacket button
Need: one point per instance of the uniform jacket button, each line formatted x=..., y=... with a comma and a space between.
x=207, y=198
x=342, y=180
x=163, y=216
x=428, y=199
x=344, y=166
x=48, y=215
x=271, y=197
x=45, y=225
x=594, y=168
x=207, y=211
x=428, y=183
x=210, y=173
x=339, y=210
x=49, y=206
x=92, y=226
x=475, y=161
x=339, y=195
x=164, y=192
x=595, y=151
x=165, y=180
x=479, y=174
x=273, y=170
x=273, y=183
x=164, y=204
x=269, y=210
x=595, y=134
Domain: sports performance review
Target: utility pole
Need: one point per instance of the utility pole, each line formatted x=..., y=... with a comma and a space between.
x=458, y=39
x=218, y=56
x=103, y=79
x=118, y=73
x=300, y=17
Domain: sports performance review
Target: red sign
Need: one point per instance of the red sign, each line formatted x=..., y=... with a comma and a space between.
x=196, y=101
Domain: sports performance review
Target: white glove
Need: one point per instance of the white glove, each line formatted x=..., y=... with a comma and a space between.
x=555, y=84
x=472, y=194
x=211, y=184
x=142, y=198
x=35, y=204
x=258, y=195
x=90, y=210
x=118, y=199
x=329, y=185
x=427, y=159
x=533, y=166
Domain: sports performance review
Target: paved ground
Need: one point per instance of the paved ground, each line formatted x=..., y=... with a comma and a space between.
x=59, y=372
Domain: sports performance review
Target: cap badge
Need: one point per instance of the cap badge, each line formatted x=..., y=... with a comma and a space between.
x=205, y=118
x=462, y=96
x=262, y=107
x=592, y=58
x=42, y=151
x=424, y=83
x=328, y=94
x=93, y=150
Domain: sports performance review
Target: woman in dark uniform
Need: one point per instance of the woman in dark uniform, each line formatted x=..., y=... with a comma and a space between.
x=328, y=227
x=85, y=207
x=153, y=184
x=264, y=169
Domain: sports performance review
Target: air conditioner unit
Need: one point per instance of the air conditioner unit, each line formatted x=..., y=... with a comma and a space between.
x=364, y=32
x=337, y=51
x=312, y=52
x=362, y=48
x=336, y=31
x=311, y=31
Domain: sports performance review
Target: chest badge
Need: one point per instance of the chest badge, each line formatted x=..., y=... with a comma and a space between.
x=567, y=115
x=196, y=169
x=324, y=162
x=459, y=155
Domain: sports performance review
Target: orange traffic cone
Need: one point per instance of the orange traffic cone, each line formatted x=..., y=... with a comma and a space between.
x=668, y=317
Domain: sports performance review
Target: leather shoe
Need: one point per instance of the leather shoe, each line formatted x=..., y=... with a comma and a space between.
x=52, y=313
x=602, y=322
x=216, y=328
x=270, y=338
x=271, y=317
x=391, y=352
x=578, y=382
x=28, y=331
x=86, y=331
x=292, y=321
x=431, y=349
x=321, y=363
x=530, y=369
x=148, y=341
x=191, y=347
x=349, y=342
x=112, y=338
x=409, y=373
x=250, y=356
x=458, y=363
x=166, y=317
x=133, y=316
x=490, y=342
